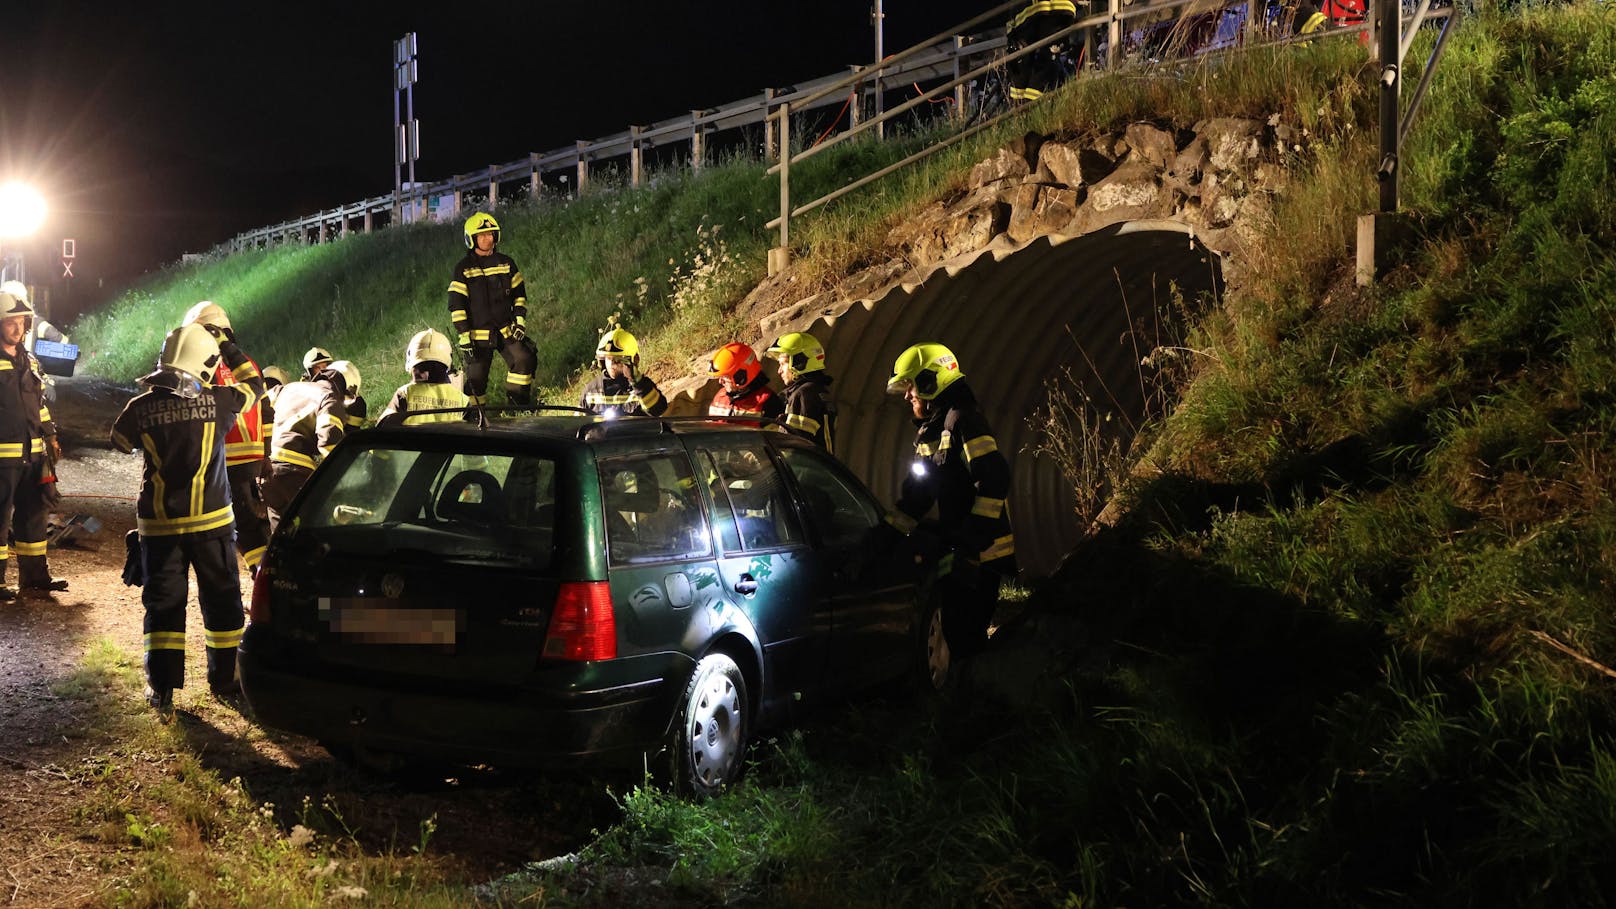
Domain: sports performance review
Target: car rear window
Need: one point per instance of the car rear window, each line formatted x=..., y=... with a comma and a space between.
x=483, y=508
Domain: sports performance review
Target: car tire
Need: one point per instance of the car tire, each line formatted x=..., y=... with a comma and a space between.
x=711, y=728
x=934, y=667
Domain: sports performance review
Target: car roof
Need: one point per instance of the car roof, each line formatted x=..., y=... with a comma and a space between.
x=576, y=428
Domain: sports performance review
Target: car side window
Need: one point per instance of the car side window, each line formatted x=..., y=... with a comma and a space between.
x=652, y=509
x=841, y=513
x=752, y=506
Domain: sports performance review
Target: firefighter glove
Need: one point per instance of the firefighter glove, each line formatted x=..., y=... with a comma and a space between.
x=518, y=332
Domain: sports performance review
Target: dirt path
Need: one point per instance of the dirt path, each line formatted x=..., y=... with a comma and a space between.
x=487, y=823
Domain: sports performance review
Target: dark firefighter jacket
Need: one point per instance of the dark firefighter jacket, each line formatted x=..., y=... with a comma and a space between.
x=630, y=398
x=25, y=421
x=185, y=488
x=309, y=421
x=486, y=298
x=357, y=410
x=810, y=412
x=958, y=466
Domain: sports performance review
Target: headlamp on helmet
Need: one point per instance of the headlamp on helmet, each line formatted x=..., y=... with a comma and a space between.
x=799, y=351
x=926, y=368
x=481, y=223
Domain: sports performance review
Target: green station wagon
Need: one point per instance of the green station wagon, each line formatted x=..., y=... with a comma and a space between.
x=561, y=589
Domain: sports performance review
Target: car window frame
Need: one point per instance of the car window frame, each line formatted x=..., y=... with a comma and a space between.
x=702, y=447
x=836, y=467
x=605, y=528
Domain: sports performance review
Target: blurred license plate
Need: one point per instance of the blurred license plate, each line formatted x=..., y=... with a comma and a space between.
x=381, y=620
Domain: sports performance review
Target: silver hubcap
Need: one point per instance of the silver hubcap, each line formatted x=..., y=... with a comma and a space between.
x=715, y=729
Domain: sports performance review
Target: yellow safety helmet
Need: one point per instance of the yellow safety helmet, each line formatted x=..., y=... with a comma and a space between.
x=16, y=289
x=191, y=351
x=275, y=374
x=313, y=356
x=805, y=351
x=427, y=347
x=207, y=313
x=480, y=224
x=350, y=377
x=617, y=343
x=927, y=368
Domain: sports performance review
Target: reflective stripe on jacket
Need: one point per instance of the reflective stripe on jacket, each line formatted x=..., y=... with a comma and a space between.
x=310, y=420
x=417, y=396
x=486, y=298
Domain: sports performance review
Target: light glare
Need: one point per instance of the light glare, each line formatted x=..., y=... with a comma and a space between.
x=22, y=210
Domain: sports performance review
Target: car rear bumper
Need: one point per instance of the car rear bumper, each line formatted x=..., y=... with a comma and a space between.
x=530, y=726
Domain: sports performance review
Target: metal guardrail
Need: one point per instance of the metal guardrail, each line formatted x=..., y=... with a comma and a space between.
x=695, y=129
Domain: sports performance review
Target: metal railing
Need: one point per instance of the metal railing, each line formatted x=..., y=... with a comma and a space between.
x=694, y=130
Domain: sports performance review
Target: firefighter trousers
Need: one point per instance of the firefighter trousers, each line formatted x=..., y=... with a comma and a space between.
x=168, y=561
x=252, y=522
x=280, y=487
x=519, y=363
x=969, y=595
x=22, y=523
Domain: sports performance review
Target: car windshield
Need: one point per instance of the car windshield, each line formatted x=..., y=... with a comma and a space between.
x=480, y=508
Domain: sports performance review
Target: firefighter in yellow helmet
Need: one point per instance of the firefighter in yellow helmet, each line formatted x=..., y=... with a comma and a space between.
x=619, y=389
x=958, y=468
x=488, y=306
x=1041, y=70
x=353, y=402
x=810, y=412
x=427, y=358
x=27, y=443
x=310, y=419
x=743, y=385
x=184, y=515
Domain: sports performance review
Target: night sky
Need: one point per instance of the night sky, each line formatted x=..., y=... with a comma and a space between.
x=154, y=131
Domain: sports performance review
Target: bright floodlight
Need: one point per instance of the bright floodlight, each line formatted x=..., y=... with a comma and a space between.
x=22, y=210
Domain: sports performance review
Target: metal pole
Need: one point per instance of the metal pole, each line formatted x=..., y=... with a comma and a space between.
x=1390, y=82
x=399, y=143
x=879, y=19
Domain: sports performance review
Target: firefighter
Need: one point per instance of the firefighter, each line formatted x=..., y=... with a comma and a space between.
x=244, y=450
x=309, y=421
x=488, y=306
x=1038, y=72
x=743, y=384
x=183, y=514
x=619, y=389
x=810, y=412
x=274, y=377
x=354, y=403
x=28, y=446
x=959, y=468
x=315, y=360
x=427, y=359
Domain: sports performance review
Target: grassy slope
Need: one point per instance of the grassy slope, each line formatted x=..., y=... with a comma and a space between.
x=1308, y=670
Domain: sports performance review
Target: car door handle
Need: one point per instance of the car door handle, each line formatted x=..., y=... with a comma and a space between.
x=746, y=586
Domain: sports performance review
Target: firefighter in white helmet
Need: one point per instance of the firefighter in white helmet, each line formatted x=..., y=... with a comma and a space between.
x=354, y=402
x=310, y=419
x=184, y=515
x=315, y=360
x=619, y=389
x=427, y=358
x=488, y=306
x=244, y=449
x=27, y=446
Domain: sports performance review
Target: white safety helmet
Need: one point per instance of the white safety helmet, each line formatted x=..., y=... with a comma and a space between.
x=191, y=351
x=276, y=374
x=350, y=376
x=207, y=313
x=16, y=289
x=315, y=355
x=427, y=347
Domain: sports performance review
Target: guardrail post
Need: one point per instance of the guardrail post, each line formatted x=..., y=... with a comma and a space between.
x=959, y=90
x=460, y=201
x=768, y=126
x=780, y=256
x=855, y=106
x=344, y=233
x=1113, y=36
x=369, y=224
x=635, y=160
x=534, y=182
x=583, y=169
x=493, y=189
x=697, y=151
x=320, y=238
x=1378, y=232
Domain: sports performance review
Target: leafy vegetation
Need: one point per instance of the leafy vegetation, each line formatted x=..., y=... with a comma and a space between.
x=1343, y=646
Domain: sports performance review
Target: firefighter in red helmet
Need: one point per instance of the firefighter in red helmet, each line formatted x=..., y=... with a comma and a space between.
x=743, y=386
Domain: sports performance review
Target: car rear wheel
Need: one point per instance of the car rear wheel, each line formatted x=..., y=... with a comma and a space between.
x=709, y=734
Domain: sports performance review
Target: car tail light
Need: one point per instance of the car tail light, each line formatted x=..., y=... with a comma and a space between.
x=259, y=611
x=582, y=627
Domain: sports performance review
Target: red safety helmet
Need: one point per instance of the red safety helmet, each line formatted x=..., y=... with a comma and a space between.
x=735, y=365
